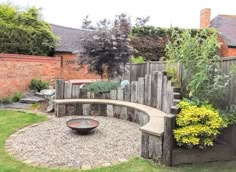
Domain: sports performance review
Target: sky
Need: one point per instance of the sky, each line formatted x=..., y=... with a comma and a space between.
x=163, y=13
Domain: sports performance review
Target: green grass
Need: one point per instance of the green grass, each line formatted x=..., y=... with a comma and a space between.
x=10, y=121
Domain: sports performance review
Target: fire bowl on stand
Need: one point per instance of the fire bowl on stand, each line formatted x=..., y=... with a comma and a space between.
x=82, y=125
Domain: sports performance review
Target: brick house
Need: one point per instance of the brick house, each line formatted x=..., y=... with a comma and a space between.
x=69, y=42
x=226, y=25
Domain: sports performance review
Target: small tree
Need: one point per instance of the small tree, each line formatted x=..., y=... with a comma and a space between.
x=107, y=49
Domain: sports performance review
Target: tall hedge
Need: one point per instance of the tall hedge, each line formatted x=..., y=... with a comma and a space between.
x=150, y=42
x=24, y=32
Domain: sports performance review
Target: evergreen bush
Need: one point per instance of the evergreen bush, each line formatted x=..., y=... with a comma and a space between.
x=38, y=85
x=24, y=32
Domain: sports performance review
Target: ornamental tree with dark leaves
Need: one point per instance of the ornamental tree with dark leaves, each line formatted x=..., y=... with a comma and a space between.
x=107, y=49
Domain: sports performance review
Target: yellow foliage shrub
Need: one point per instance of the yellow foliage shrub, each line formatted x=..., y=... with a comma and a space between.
x=197, y=126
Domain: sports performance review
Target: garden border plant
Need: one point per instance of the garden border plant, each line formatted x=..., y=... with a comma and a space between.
x=38, y=85
x=197, y=125
x=101, y=86
x=13, y=98
x=202, y=83
x=199, y=55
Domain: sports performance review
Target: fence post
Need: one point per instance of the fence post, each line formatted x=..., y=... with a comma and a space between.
x=168, y=145
x=134, y=91
x=122, y=110
x=164, y=107
x=148, y=68
x=148, y=93
x=154, y=79
x=75, y=91
x=111, y=108
x=159, y=90
x=59, y=89
x=141, y=86
x=68, y=90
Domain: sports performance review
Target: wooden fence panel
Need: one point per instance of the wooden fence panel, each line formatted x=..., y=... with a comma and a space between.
x=140, y=70
x=230, y=91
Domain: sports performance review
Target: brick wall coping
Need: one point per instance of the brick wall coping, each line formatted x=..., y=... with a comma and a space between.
x=28, y=57
x=155, y=125
x=84, y=81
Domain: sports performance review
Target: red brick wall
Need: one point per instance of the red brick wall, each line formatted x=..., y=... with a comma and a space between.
x=231, y=52
x=223, y=47
x=16, y=71
x=71, y=70
x=225, y=51
x=205, y=18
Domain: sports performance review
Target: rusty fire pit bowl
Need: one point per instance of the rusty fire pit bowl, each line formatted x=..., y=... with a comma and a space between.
x=82, y=125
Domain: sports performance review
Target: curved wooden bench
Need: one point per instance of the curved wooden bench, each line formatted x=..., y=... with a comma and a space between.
x=157, y=139
x=154, y=126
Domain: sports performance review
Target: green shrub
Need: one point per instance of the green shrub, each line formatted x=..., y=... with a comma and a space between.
x=199, y=56
x=37, y=84
x=198, y=126
x=12, y=98
x=24, y=32
x=16, y=97
x=101, y=86
x=137, y=60
x=7, y=100
x=174, y=73
x=150, y=42
x=228, y=117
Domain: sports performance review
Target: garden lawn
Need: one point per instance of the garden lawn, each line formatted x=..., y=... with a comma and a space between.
x=10, y=121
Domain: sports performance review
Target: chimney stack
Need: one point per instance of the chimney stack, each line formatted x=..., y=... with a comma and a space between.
x=205, y=18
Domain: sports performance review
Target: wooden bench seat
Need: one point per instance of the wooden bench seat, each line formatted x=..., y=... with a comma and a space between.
x=154, y=126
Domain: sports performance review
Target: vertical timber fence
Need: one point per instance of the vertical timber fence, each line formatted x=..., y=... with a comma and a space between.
x=140, y=70
x=153, y=89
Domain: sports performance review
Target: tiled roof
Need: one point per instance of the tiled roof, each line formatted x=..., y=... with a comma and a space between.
x=226, y=25
x=69, y=38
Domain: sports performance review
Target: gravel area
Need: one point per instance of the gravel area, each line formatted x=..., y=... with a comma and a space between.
x=54, y=144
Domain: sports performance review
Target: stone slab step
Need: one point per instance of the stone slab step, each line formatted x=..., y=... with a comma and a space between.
x=177, y=96
x=33, y=99
x=174, y=110
x=176, y=101
x=176, y=90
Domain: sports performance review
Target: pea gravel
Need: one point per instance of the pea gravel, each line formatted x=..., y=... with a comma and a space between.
x=54, y=144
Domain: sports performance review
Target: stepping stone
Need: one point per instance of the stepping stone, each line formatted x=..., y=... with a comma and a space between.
x=33, y=99
x=18, y=105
